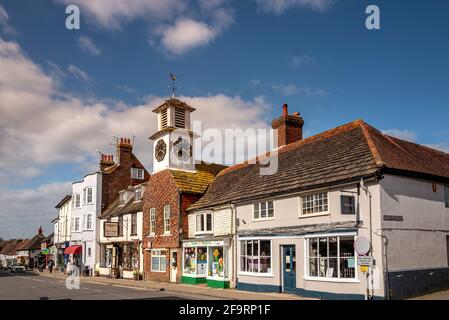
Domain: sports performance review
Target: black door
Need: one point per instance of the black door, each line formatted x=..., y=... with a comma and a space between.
x=289, y=268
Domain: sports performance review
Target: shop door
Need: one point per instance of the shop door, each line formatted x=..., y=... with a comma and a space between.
x=289, y=268
x=173, y=265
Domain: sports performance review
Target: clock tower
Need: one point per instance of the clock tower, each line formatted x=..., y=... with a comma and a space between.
x=173, y=142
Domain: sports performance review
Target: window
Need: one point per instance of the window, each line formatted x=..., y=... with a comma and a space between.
x=158, y=260
x=122, y=198
x=120, y=226
x=89, y=222
x=180, y=118
x=77, y=224
x=204, y=223
x=152, y=221
x=76, y=200
x=137, y=173
x=90, y=195
x=446, y=196
x=138, y=194
x=134, y=224
x=315, y=203
x=331, y=257
x=167, y=219
x=347, y=204
x=263, y=210
x=255, y=256
x=130, y=257
x=89, y=252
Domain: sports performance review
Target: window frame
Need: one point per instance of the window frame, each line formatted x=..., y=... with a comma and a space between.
x=317, y=213
x=203, y=218
x=135, y=174
x=120, y=226
x=159, y=256
x=152, y=230
x=267, y=210
x=76, y=226
x=327, y=279
x=167, y=221
x=89, y=215
x=133, y=224
x=76, y=200
x=252, y=273
x=136, y=192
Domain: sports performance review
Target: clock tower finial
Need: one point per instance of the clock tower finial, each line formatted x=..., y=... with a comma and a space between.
x=173, y=87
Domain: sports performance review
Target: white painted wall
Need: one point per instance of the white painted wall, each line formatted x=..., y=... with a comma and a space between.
x=419, y=242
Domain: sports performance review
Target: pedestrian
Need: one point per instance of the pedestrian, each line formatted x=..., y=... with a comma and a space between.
x=50, y=265
x=69, y=267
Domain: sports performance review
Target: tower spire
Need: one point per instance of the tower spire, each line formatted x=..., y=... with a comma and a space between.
x=173, y=87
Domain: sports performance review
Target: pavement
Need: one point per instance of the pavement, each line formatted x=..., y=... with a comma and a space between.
x=174, y=289
x=441, y=295
x=32, y=286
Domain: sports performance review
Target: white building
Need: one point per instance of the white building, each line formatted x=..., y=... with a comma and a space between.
x=62, y=229
x=86, y=208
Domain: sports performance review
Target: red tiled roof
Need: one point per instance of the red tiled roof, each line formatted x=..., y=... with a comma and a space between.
x=349, y=152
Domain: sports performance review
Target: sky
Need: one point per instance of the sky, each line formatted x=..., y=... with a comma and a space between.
x=65, y=93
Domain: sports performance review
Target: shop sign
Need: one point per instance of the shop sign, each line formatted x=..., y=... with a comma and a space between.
x=211, y=243
x=365, y=261
x=110, y=229
x=45, y=251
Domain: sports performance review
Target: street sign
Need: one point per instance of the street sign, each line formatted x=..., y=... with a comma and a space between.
x=362, y=246
x=45, y=251
x=365, y=261
x=363, y=269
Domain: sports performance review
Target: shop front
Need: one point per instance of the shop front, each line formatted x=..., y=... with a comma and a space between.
x=120, y=260
x=206, y=261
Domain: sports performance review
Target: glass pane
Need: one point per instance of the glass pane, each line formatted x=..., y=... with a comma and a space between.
x=323, y=247
x=313, y=267
x=209, y=222
x=347, y=268
x=265, y=256
x=249, y=248
x=270, y=209
x=243, y=248
x=255, y=248
x=202, y=260
x=163, y=263
x=322, y=267
x=155, y=263
x=332, y=272
x=217, y=262
x=333, y=247
x=313, y=247
x=263, y=210
x=243, y=264
x=346, y=247
x=256, y=211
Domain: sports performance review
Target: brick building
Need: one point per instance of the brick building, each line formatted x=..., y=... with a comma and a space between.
x=176, y=183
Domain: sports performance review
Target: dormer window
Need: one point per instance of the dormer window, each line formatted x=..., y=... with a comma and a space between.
x=137, y=173
x=164, y=119
x=122, y=198
x=180, y=118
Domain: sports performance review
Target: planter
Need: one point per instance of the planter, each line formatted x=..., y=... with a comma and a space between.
x=97, y=273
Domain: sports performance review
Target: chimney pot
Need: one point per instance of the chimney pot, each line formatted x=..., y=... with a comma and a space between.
x=285, y=110
x=296, y=114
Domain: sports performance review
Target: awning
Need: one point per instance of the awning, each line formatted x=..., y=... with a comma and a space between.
x=73, y=250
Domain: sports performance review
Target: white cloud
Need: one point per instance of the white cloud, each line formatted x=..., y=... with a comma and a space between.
x=401, y=134
x=279, y=6
x=88, y=45
x=24, y=210
x=186, y=34
x=79, y=74
x=299, y=61
x=291, y=90
x=5, y=25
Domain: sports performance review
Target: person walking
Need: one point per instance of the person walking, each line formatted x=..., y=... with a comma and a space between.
x=50, y=265
x=69, y=267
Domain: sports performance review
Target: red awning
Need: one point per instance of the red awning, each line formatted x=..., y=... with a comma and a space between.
x=73, y=250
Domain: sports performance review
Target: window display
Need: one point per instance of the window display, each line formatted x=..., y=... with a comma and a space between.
x=216, y=266
x=255, y=256
x=202, y=260
x=189, y=260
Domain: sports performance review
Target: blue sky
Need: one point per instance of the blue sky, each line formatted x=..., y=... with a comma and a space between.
x=242, y=58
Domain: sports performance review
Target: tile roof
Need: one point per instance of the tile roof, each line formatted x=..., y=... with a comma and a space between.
x=114, y=209
x=12, y=246
x=35, y=242
x=349, y=152
x=196, y=182
x=64, y=200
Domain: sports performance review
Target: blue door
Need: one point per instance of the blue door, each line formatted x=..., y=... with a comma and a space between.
x=289, y=268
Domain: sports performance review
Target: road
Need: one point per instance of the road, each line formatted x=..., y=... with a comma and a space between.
x=30, y=286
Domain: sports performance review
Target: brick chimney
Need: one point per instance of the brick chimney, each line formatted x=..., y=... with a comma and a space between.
x=124, y=150
x=106, y=161
x=289, y=127
x=39, y=231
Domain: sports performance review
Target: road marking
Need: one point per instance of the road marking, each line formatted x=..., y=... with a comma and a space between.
x=98, y=290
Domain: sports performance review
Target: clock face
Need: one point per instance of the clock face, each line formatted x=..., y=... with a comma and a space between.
x=182, y=149
x=160, y=150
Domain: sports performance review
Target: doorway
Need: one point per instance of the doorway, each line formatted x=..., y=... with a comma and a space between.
x=289, y=268
x=173, y=265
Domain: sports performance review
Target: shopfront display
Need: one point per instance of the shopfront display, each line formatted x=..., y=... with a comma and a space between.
x=205, y=262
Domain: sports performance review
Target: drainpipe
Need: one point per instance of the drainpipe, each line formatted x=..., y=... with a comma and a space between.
x=234, y=243
x=365, y=188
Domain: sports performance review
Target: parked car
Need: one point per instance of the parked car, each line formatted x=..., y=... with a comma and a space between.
x=17, y=267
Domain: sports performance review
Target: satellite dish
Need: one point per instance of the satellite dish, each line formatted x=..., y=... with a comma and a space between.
x=362, y=246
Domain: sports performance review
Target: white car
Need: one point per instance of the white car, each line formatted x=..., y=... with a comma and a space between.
x=16, y=267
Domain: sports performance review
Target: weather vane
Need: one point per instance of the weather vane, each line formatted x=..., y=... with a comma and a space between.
x=173, y=86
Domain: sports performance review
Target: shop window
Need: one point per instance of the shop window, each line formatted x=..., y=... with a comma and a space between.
x=195, y=261
x=315, y=203
x=217, y=262
x=105, y=256
x=158, y=260
x=263, y=210
x=130, y=257
x=255, y=256
x=331, y=257
x=204, y=223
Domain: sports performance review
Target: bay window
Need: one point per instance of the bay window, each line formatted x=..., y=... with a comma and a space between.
x=263, y=210
x=315, y=203
x=255, y=256
x=158, y=260
x=331, y=257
